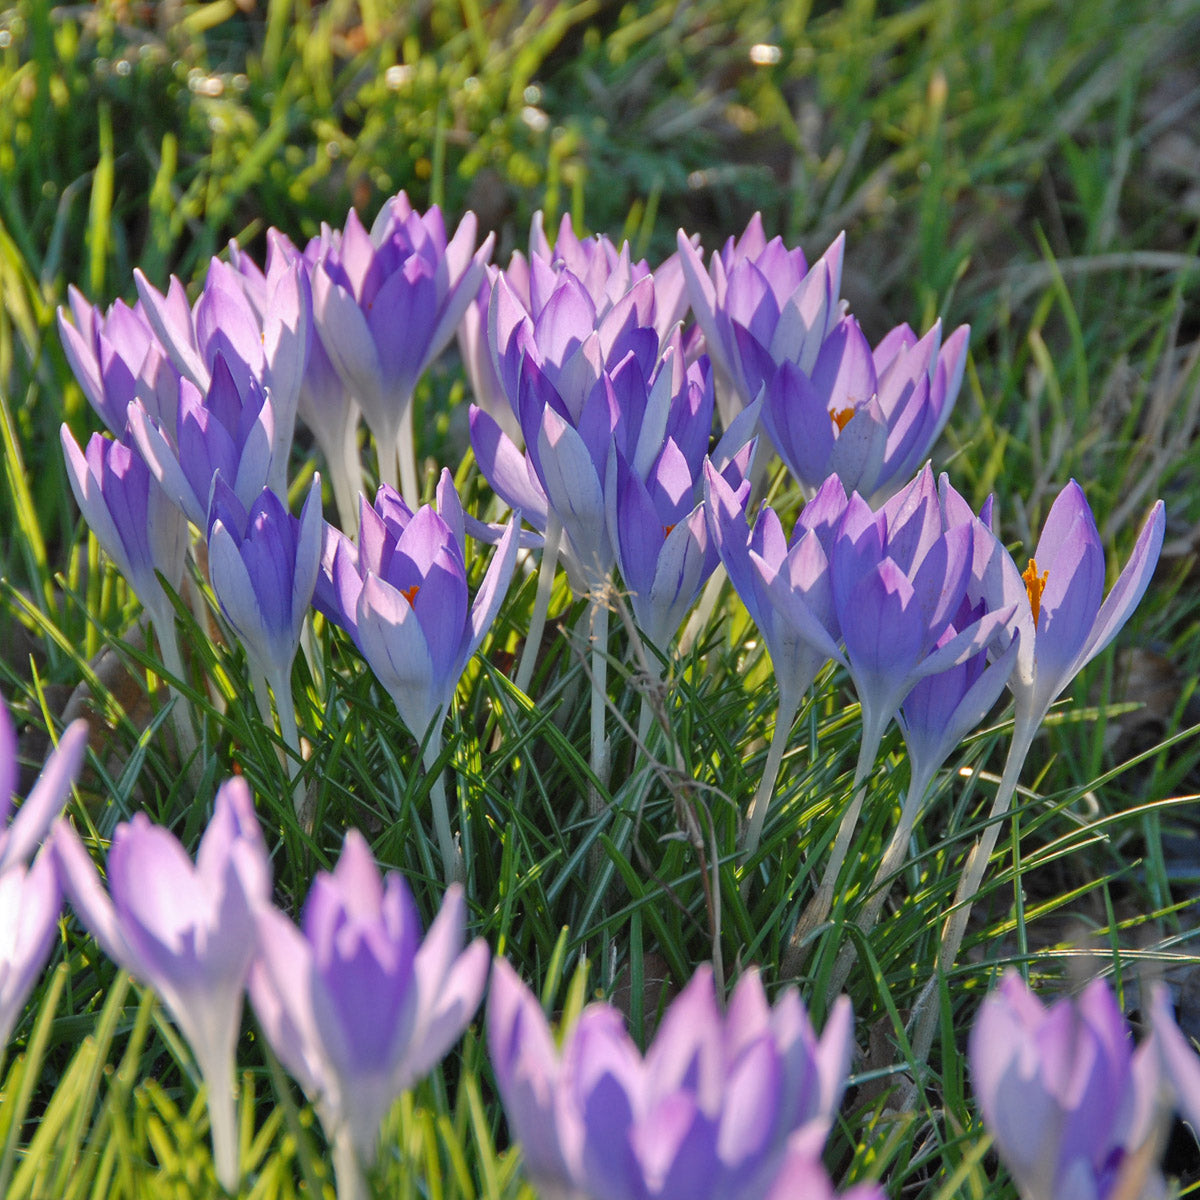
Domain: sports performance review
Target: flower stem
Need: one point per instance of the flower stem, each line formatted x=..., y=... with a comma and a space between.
x=598, y=632
x=350, y=1181
x=168, y=646
x=925, y=1011
x=785, y=715
x=541, y=604
x=222, y=1120
x=452, y=860
x=345, y=476
x=286, y=708
x=818, y=907
x=918, y=786
x=406, y=448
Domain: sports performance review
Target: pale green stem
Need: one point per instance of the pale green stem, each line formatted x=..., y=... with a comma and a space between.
x=350, y=1179
x=406, y=448
x=598, y=625
x=789, y=704
x=541, y=604
x=452, y=860
x=925, y=1012
x=818, y=907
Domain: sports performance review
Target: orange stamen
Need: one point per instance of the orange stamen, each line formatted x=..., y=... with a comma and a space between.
x=667, y=529
x=1035, y=583
x=841, y=417
x=410, y=593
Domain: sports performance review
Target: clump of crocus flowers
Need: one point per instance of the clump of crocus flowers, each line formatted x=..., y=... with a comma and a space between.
x=627, y=445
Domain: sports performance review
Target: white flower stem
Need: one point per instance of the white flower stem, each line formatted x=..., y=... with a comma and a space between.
x=925, y=1012
x=406, y=448
x=785, y=715
x=918, y=786
x=452, y=860
x=598, y=633
x=345, y=477
x=222, y=1120
x=541, y=604
x=703, y=611
x=350, y=1181
x=286, y=708
x=172, y=659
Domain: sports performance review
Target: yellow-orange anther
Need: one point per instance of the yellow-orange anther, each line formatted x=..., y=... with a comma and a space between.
x=841, y=417
x=667, y=529
x=1034, y=585
x=410, y=593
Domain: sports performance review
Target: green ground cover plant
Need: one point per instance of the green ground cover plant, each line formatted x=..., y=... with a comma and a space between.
x=1029, y=171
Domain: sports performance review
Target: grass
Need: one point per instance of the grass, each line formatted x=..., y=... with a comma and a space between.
x=1005, y=166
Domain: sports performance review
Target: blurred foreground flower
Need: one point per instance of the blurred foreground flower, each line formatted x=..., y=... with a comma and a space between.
x=29, y=895
x=187, y=931
x=1076, y=1112
x=708, y=1112
x=357, y=1006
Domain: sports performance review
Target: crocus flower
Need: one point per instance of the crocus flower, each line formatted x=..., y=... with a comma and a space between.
x=262, y=343
x=1178, y=1059
x=386, y=303
x=228, y=428
x=708, y=1112
x=29, y=895
x=264, y=565
x=134, y=521
x=1074, y=1109
x=401, y=594
x=185, y=930
x=355, y=1003
x=1063, y=618
x=764, y=289
x=869, y=417
x=117, y=359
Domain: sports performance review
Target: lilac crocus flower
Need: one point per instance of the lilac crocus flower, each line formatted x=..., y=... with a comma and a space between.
x=869, y=417
x=764, y=289
x=227, y=428
x=30, y=900
x=1062, y=615
x=1075, y=1110
x=185, y=930
x=356, y=1004
x=402, y=596
x=708, y=1112
x=117, y=358
x=136, y=524
x=385, y=304
x=262, y=342
x=264, y=565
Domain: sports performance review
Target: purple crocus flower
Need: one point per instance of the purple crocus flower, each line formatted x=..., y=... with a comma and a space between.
x=764, y=289
x=386, y=303
x=136, y=524
x=264, y=565
x=402, y=596
x=325, y=404
x=1178, y=1060
x=708, y=1112
x=1074, y=1109
x=355, y=1003
x=869, y=417
x=185, y=930
x=117, y=359
x=802, y=1177
x=1063, y=618
x=228, y=428
x=262, y=343
x=30, y=900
